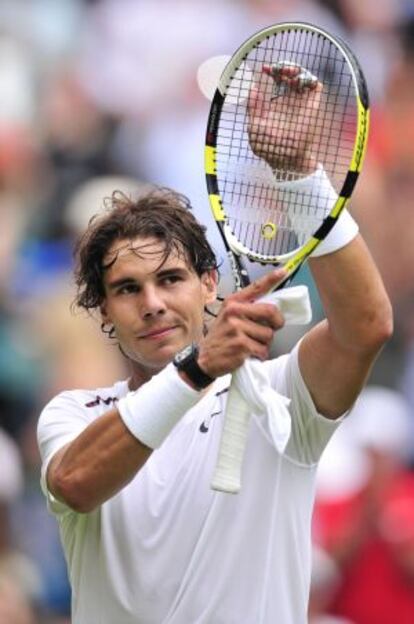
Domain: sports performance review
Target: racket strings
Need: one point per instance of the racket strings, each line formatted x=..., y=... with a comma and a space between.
x=254, y=162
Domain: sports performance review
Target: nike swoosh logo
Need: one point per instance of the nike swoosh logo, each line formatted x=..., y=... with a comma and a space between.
x=204, y=427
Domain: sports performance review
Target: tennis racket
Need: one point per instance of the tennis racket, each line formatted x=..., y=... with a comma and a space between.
x=285, y=142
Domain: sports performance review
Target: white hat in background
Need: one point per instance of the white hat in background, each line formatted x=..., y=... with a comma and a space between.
x=87, y=199
x=380, y=420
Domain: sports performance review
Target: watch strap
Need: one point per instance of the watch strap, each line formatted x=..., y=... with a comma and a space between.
x=191, y=368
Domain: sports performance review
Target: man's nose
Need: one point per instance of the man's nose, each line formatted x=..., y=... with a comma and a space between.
x=152, y=302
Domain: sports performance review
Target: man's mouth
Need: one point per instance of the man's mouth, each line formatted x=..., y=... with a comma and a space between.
x=157, y=333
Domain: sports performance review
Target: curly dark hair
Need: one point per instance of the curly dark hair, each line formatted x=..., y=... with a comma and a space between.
x=162, y=213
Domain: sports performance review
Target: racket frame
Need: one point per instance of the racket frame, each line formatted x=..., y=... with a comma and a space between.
x=290, y=261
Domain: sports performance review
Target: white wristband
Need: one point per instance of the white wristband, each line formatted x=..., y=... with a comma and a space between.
x=319, y=195
x=151, y=412
x=344, y=230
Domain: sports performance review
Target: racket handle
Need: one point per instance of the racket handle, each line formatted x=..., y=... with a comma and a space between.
x=227, y=473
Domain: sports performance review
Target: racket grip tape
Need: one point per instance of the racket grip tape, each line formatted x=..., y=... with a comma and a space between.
x=227, y=473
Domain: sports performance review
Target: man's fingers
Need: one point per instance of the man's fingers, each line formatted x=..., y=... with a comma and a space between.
x=282, y=69
x=261, y=286
x=264, y=315
x=287, y=75
x=255, y=101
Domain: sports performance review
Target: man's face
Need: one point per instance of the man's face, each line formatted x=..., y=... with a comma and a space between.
x=155, y=310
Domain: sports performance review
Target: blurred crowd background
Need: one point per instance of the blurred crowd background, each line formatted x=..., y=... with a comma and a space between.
x=101, y=95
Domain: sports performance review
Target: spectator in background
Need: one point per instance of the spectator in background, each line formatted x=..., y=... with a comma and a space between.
x=36, y=535
x=325, y=580
x=19, y=579
x=369, y=27
x=364, y=518
x=14, y=606
x=383, y=205
x=390, y=176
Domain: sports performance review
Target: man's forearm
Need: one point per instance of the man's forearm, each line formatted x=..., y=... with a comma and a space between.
x=97, y=464
x=336, y=356
x=353, y=296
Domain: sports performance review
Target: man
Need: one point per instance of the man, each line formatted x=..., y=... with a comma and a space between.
x=127, y=469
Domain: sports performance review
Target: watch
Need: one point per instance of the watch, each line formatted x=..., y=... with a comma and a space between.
x=186, y=361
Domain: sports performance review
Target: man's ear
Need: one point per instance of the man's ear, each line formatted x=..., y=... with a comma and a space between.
x=209, y=280
x=104, y=313
x=107, y=326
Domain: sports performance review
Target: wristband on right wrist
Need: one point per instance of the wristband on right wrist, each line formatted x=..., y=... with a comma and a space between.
x=319, y=194
x=341, y=234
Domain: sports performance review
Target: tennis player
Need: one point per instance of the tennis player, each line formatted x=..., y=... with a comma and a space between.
x=127, y=469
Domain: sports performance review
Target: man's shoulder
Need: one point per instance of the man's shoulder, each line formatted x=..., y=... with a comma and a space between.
x=282, y=365
x=89, y=399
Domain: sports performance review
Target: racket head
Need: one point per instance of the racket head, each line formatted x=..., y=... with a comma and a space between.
x=269, y=214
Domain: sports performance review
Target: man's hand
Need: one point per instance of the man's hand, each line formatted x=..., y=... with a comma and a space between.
x=283, y=126
x=242, y=329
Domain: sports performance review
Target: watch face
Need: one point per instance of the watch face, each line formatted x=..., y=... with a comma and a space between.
x=183, y=354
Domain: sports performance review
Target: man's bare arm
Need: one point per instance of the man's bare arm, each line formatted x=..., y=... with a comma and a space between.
x=337, y=355
x=97, y=464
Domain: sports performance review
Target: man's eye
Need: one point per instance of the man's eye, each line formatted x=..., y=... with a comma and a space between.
x=127, y=289
x=171, y=279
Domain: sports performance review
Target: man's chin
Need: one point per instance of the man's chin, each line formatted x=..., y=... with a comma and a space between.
x=155, y=361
